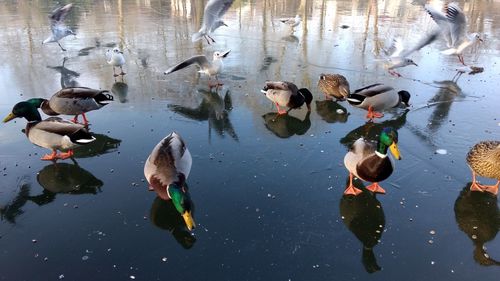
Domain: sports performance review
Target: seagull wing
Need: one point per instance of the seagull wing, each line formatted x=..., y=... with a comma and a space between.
x=424, y=41
x=457, y=21
x=214, y=10
x=59, y=14
x=201, y=61
x=396, y=47
x=225, y=5
x=442, y=21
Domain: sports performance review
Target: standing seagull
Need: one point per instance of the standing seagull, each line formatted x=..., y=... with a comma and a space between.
x=57, y=26
x=116, y=59
x=214, y=10
x=210, y=69
x=292, y=22
x=452, y=23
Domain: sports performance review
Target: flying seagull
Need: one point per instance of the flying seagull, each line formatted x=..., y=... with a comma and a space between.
x=214, y=10
x=57, y=26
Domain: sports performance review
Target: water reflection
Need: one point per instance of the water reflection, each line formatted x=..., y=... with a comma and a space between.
x=68, y=76
x=13, y=209
x=102, y=145
x=285, y=126
x=371, y=130
x=364, y=217
x=330, y=111
x=213, y=108
x=443, y=99
x=477, y=215
x=120, y=89
x=64, y=178
x=164, y=215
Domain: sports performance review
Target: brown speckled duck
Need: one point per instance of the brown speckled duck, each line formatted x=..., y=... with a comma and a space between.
x=334, y=85
x=484, y=160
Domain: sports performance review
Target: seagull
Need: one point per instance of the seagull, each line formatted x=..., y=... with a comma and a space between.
x=292, y=22
x=116, y=59
x=214, y=10
x=57, y=26
x=452, y=23
x=397, y=57
x=210, y=69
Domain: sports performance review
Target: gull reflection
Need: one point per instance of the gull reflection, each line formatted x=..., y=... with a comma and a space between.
x=443, y=99
x=164, y=215
x=330, y=111
x=477, y=215
x=371, y=130
x=364, y=217
x=67, y=76
x=120, y=89
x=213, y=108
x=13, y=209
x=285, y=126
x=102, y=145
x=64, y=178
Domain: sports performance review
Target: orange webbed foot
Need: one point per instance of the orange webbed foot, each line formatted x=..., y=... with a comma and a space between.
x=375, y=188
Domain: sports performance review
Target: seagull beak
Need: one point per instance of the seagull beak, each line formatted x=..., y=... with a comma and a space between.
x=188, y=219
x=225, y=53
x=9, y=117
x=395, y=151
x=414, y=64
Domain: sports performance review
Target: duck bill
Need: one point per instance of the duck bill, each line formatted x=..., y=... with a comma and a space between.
x=395, y=151
x=9, y=117
x=188, y=219
x=225, y=53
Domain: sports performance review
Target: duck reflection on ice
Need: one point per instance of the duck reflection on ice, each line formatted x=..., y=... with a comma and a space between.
x=120, y=89
x=213, y=108
x=285, y=126
x=12, y=210
x=364, y=217
x=371, y=130
x=67, y=76
x=477, y=215
x=64, y=178
x=330, y=111
x=164, y=215
x=102, y=145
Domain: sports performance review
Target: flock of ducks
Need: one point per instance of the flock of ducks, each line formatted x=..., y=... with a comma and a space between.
x=168, y=166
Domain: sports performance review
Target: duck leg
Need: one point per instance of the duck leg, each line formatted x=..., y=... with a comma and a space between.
x=351, y=189
x=493, y=189
x=375, y=188
x=75, y=119
x=373, y=114
x=475, y=186
x=279, y=109
x=65, y=155
x=85, y=121
x=51, y=157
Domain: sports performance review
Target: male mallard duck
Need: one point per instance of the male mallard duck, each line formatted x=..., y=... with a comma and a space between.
x=378, y=97
x=52, y=133
x=370, y=163
x=74, y=101
x=334, y=85
x=484, y=160
x=287, y=94
x=167, y=169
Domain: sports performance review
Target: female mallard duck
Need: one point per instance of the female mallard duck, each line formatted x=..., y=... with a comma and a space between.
x=334, y=85
x=378, y=97
x=287, y=94
x=484, y=160
x=75, y=101
x=167, y=169
x=53, y=133
x=370, y=163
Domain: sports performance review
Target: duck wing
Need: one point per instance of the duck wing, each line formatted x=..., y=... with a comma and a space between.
x=373, y=90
